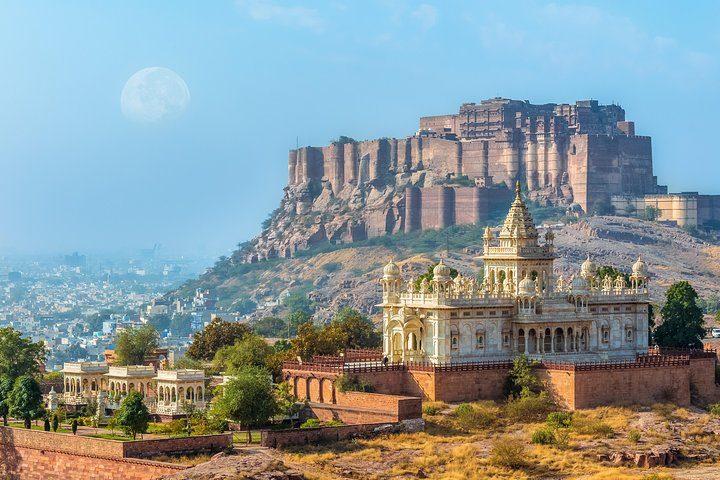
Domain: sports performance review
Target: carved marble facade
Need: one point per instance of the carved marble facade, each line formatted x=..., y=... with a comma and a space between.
x=520, y=306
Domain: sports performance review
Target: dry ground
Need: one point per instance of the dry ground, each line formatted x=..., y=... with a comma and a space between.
x=447, y=451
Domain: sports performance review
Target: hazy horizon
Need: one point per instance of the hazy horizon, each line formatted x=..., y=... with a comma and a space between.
x=79, y=175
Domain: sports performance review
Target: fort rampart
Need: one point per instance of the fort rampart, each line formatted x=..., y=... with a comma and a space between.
x=32, y=454
x=647, y=379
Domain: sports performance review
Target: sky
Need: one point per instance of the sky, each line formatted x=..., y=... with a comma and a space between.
x=77, y=174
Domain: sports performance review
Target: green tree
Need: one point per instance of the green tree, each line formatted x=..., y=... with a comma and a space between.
x=133, y=416
x=295, y=320
x=185, y=362
x=46, y=424
x=55, y=423
x=247, y=398
x=612, y=272
x=306, y=343
x=216, y=335
x=286, y=402
x=251, y=350
x=272, y=327
x=134, y=344
x=521, y=380
x=299, y=301
x=19, y=355
x=73, y=426
x=359, y=329
x=428, y=275
x=682, y=320
x=651, y=213
x=6, y=386
x=25, y=399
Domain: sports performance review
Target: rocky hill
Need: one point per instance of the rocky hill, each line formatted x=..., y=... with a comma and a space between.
x=347, y=275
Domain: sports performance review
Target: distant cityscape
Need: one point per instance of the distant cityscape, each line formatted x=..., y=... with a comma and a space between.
x=76, y=303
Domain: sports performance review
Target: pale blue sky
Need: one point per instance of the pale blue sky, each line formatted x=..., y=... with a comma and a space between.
x=77, y=175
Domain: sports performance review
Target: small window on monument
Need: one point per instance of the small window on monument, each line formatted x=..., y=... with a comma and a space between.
x=480, y=341
x=629, y=335
x=605, y=335
x=506, y=340
x=454, y=342
x=467, y=314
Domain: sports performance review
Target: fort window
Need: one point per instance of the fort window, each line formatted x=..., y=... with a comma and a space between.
x=629, y=335
x=480, y=340
x=453, y=314
x=454, y=341
x=506, y=340
x=467, y=314
x=605, y=334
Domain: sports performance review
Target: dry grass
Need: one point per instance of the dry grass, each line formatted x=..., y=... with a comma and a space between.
x=446, y=451
x=434, y=408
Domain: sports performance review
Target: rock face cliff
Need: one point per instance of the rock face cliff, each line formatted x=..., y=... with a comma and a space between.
x=456, y=170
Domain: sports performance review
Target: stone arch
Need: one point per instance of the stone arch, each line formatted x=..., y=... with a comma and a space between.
x=124, y=388
x=521, y=341
x=131, y=387
x=85, y=384
x=190, y=394
x=559, y=340
x=173, y=394
x=199, y=394
x=302, y=388
x=532, y=341
x=141, y=389
x=547, y=341
x=328, y=390
x=315, y=393
x=181, y=394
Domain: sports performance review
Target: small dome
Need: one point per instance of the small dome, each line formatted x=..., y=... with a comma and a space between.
x=579, y=284
x=391, y=270
x=526, y=286
x=441, y=272
x=588, y=269
x=639, y=268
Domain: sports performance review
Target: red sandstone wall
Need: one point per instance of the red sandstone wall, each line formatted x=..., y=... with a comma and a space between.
x=35, y=464
x=702, y=378
x=561, y=386
x=631, y=386
x=61, y=442
x=205, y=443
x=304, y=436
x=470, y=385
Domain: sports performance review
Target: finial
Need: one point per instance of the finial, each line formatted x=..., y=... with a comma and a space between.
x=517, y=188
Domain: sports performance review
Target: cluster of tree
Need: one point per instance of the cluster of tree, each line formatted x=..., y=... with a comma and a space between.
x=133, y=345
x=428, y=276
x=710, y=304
x=20, y=361
x=682, y=324
x=612, y=272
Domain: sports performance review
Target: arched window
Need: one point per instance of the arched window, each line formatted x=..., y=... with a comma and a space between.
x=454, y=338
x=480, y=339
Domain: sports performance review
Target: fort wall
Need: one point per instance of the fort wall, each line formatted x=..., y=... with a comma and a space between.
x=32, y=454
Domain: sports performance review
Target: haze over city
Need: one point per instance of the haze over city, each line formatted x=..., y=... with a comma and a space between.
x=81, y=173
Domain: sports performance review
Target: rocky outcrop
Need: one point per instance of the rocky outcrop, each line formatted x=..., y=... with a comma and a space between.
x=661, y=456
x=246, y=467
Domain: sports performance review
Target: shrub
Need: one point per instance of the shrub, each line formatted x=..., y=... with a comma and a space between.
x=562, y=438
x=310, y=423
x=589, y=426
x=470, y=417
x=508, y=452
x=528, y=408
x=714, y=409
x=544, y=436
x=559, y=419
x=634, y=436
x=334, y=423
x=433, y=408
x=332, y=267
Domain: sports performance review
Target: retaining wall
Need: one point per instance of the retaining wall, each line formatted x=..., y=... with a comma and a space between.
x=305, y=436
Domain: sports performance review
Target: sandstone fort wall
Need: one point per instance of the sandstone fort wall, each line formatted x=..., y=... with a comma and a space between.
x=32, y=454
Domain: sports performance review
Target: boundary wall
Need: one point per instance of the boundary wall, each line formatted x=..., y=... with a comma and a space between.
x=669, y=375
x=306, y=436
x=33, y=454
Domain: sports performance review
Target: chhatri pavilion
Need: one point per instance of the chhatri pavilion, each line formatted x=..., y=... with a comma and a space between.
x=521, y=307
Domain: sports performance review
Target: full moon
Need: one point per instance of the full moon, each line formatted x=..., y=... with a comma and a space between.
x=154, y=94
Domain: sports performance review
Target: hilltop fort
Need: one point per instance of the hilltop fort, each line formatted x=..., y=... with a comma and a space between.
x=461, y=168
